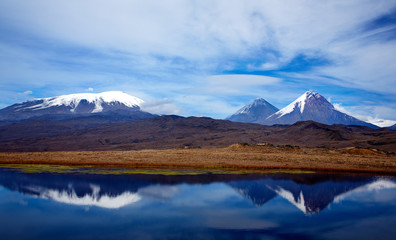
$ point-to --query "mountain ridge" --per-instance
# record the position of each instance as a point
(255, 111)
(166, 132)
(105, 107)
(309, 106)
(72, 105)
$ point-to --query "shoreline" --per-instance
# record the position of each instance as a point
(236, 158)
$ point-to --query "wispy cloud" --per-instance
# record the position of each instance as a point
(237, 83)
(161, 106)
(369, 114)
(214, 52)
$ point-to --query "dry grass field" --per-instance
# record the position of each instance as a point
(234, 157)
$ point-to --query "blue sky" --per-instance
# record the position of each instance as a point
(203, 58)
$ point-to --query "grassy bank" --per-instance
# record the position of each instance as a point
(233, 158)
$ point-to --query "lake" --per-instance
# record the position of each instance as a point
(107, 204)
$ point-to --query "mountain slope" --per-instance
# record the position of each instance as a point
(73, 104)
(392, 127)
(172, 132)
(312, 106)
(255, 111)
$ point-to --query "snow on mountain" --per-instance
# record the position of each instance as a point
(82, 103)
(299, 104)
(255, 111)
(312, 106)
(97, 100)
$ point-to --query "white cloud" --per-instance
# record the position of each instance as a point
(367, 113)
(237, 83)
(194, 29)
(224, 90)
(381, 122)
(369, 67)
(161, 106)
(204, 105)
(179, 28)
(264, 66)
(14, 97)
(242, 80)
(339, 107)
(162, 48)
(90, 89)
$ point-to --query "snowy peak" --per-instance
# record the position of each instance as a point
(312, 106)
(74, 100)
(258, 102)
(74, 105)
(308, 99)
(255, 111)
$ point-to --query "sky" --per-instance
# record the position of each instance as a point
(203, 58)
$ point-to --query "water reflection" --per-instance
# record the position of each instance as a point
(309, 193)
(308, 196)
(210, 206)
(93, 198)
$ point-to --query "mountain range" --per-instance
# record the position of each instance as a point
(309, 106)
(115, 121)
(166, 132)
(116, 106)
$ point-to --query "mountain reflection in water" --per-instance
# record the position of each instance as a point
(205, 206)
(310, 193)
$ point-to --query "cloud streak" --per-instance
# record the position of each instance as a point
(218, 52)
(237, 84)
(366, 114)
(161, 107)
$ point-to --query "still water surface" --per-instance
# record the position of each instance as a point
(205, 206)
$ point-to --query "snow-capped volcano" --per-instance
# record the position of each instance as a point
(82, 103)
(255, 111)
(97, 101)
(312, 106)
